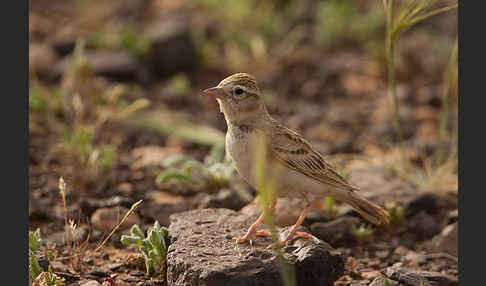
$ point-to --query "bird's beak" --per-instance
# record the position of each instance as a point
(214, 91)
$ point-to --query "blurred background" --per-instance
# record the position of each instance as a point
(116, 105)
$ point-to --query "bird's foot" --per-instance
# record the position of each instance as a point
(250, 233)
(287, 240)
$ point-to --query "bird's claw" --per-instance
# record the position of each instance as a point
(249, 235)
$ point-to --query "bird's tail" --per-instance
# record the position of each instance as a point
(370, 211)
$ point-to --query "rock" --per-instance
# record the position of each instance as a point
(203, 253)
(105, 219)
(162, 211)
(447, 240)
(424, 202)
(224, 198)
(90, 283)
(423, 226)
(411, 277)
(42, 59)
(336, 232)
(119, 65)
(452, 216)
(172, 49)
(381, 186)
(379, 281)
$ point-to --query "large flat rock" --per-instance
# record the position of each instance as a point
(203, 253)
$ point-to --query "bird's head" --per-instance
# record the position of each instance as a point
(239, 98)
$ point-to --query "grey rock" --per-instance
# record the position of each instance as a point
(411, 277)
(171, 47)
(203, 253)
(336, 232)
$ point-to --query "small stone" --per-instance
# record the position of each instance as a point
(411, 277)
(423, 225)
(41, 60)
(90, 283)
(380, 281)
(105, 219)
(371, 274)
(172, 48)
(336, 232)
(447, 240)
(224, 198)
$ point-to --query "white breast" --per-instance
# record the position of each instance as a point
(239, 148)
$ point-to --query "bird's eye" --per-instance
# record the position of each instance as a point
(238, 91)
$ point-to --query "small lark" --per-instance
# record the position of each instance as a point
(302, 171)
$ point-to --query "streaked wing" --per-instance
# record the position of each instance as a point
(297, 154)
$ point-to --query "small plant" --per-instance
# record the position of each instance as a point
(34, 245)
(153, 247)
(48, 278)
(179, 85)
(37, 275)
(34, 240)
(194, 174)
(396, 212)
(362, 233)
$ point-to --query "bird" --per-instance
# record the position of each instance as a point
(298, 169)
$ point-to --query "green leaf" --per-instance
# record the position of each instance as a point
(34, 240)
(34, 267)
(173, 174)
(135, 230)
(125, 239)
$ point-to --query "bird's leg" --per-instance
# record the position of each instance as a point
(252, 230)
(299, 221)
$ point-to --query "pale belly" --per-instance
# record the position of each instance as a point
(288, 182)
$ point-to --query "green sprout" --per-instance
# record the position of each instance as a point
(153, 246)
(362, 233)
(197, 175)
(179, 84)
(34, 268)
(34, 245)
(34, 240)
(396, 212)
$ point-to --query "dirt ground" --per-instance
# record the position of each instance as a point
(107, 117)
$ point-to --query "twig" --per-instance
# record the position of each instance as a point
(130, 211)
